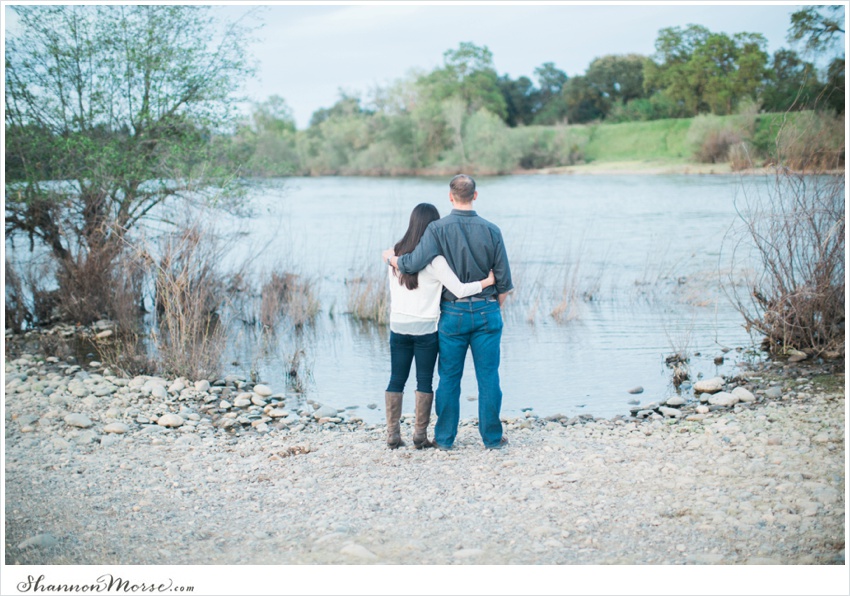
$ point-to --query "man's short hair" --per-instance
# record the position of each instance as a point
(462, 188)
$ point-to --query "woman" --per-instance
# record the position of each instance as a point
(414, 314)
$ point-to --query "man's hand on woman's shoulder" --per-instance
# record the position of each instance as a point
(389, 257)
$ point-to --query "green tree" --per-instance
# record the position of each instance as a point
(119, 104)
(265, 144)
(619, 78)
(820, 28)
(468, 74)
(549, 106)
(705, 71)
(520, 99)
(583, 101)
(791, 83)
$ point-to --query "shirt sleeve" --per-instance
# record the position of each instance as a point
(501, 268)
(422, 255)
(440, 269)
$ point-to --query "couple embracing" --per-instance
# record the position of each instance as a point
(448, 280)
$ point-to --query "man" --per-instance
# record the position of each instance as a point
(472, 246)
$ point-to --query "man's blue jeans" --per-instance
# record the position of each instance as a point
(476, 325)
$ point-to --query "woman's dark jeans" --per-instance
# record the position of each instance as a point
(403, 349)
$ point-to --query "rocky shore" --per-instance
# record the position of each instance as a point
(102, 469)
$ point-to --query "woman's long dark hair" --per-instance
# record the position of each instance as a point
(423, 214)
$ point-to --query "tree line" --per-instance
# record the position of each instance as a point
(441, 119)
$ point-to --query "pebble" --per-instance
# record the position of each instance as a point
(324, 412)
(670, 412)
(202, 385)
(263, 390)
(773, 393)
(712, 385)
(117, 428)
(636, 390)
(467, 553)
(170, 420)
(722, 399)
(358, 550)
(39, 541)
(676, 400)
(78, 420)
(743, 395)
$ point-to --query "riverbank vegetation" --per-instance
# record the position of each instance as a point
(120, 121)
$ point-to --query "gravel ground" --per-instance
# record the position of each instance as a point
(275, 482)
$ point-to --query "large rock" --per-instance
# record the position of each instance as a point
(202, 385)
(773, 393)
(670, 412)
(709, 385)
(78, 420)
(262, 390)
(170, 420)
(324, 412)
(158, 391)
(723, 399)
(743, 395)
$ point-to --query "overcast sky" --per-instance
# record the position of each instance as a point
(307, 54)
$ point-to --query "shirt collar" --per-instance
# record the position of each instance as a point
(463, 212)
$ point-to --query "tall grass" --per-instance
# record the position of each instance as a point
(189, 336)
(287, 296)
(369, 297)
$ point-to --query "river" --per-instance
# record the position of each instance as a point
(644, 258)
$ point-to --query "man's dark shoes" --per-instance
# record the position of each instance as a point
(502, 443)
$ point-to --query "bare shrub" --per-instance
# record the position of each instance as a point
(715, 147)
(740, 156)
(812, 142)
(795, 235)
(287, 295)
(712, 137)
(189, 337)
(85, 279)
(17, 314)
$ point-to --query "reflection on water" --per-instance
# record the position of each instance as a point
(633, 262)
